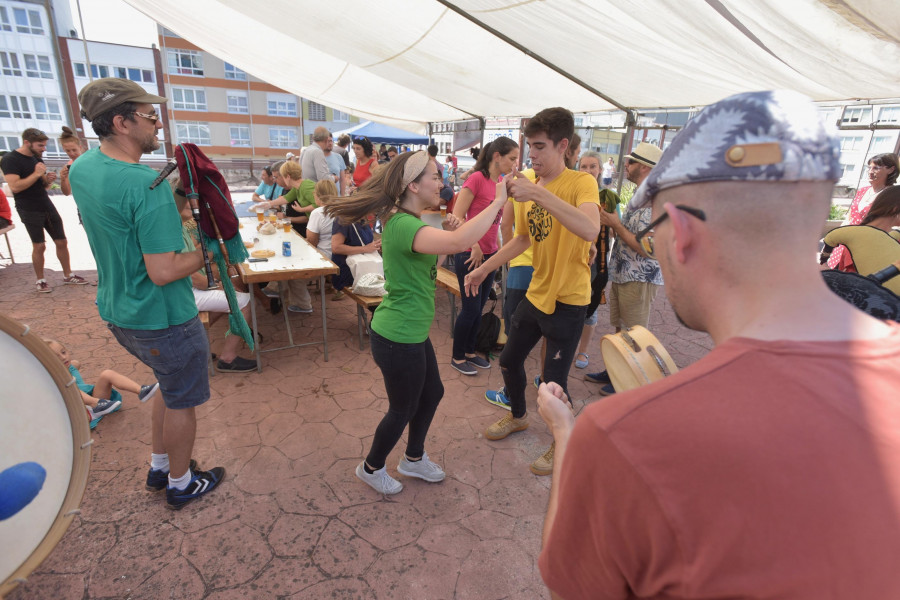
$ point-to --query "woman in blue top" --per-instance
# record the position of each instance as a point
(397, 194)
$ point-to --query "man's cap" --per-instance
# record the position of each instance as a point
(646, 154)
(101, 95)
(754, 136)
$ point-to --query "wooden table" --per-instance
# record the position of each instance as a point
(305, 262)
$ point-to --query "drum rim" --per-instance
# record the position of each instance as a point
(81, 449)
(625, 353)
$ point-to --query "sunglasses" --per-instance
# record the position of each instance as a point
(645, 236)
(153, 118)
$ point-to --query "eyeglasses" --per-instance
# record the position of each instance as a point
(645, 236)
(153, 118)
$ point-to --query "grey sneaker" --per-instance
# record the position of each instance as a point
(423, 469)
(379, 481)
(147, 391)
(104, 407)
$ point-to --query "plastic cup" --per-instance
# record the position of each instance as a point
(287, 225)
(443, 211)
(273, 218)
(260, 216)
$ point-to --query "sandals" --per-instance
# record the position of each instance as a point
(579, 363)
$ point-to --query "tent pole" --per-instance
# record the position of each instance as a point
(630, 120)
(528, 52)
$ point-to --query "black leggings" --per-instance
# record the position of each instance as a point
(562, 329)
(414, 391)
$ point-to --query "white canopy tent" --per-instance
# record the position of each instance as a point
(410, 62)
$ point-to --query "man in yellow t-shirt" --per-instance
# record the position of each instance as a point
(560, 222)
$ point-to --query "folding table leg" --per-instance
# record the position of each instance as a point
(255, 329)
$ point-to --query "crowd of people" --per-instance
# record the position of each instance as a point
(766, 470)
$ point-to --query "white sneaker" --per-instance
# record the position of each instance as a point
(423, 469)
(379, 481)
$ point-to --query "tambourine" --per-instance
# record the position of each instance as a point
(43, 422)
(634, 357)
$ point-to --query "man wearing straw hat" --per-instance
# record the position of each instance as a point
(769, 468)
(144, 291)
(636, 278)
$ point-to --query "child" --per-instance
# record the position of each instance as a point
(101, 399)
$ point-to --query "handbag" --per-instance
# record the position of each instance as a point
(370, 284)
(369, 262)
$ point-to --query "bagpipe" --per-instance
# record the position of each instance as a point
(217, 223)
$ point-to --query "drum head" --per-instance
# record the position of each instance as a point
(864, 294)
(43, 422)
(635, 357)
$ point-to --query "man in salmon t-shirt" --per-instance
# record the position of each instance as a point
(771, 467)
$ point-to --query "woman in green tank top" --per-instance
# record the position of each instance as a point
(397, 194)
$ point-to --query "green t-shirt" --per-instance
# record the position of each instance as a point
(407, 311)
(124, 220)
(304, 196)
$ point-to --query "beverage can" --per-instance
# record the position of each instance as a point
(285, 248)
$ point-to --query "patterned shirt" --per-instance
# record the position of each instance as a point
(625, 264)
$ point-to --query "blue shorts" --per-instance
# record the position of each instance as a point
(607, 180)
(178, 356)
(592, 318)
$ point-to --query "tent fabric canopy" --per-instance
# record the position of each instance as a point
(410, 62)
(383, 134)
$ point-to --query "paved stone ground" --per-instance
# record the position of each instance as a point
(291, 519)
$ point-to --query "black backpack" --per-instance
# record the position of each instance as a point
(488, 331)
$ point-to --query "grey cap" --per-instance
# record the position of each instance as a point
(101, 95)
(755, 136)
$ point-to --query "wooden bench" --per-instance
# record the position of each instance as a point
(447, 279)
(5, 232)
(363, 304)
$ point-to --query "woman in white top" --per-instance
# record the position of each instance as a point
(318, 230)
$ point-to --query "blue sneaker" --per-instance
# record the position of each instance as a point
(157, 479)
(202, 482)
(477, 361)
(602, 377)
(498, 398)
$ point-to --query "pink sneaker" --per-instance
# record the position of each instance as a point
(74, 279)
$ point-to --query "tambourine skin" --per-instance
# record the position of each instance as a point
(634, 357)
(43, 422)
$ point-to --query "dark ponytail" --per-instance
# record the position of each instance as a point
(502, 144)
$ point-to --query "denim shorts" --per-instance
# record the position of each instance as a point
(178, 356)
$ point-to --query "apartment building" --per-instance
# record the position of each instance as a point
(231, 114)
(83, 61)
(30, 71)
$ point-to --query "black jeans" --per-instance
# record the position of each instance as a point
(562, 329)
(465, 332)
(414, 391)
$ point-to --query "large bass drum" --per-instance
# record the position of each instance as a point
(635, 357)
(43, 421)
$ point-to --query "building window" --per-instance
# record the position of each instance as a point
(237, 102)
(53, 148)
(99, 71)
(232, 72)
(28, 21)
(282, 105)
(14, 107)
(857, 115)
(5, 25)
(37, 65)
(191, 131)
(240, 136)
(189, 99)
(10, 63)
(847, 169)
(341, 117)
(148, 76)
(280, 137)
(46, 109)
(80, 69)
(882, 143)
(185, 62)
(120, 72)
(851, 143)
(889, 114)
(8, 143)
(316, 111)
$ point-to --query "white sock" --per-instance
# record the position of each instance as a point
(159, 462)
(180, 483)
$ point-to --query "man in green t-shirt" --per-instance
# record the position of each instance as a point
(144, 291)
